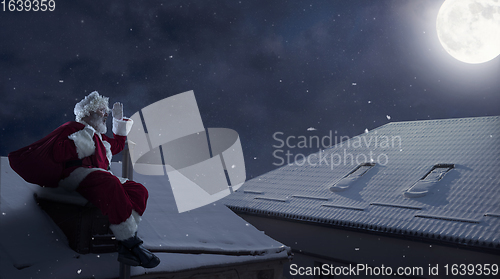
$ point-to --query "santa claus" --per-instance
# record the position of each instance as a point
(85, 151)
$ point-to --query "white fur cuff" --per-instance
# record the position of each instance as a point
(122, 127)
(125, 229)
(84, 142)
(74, 179)
(136, 216)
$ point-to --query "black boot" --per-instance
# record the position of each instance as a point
(126, 256)
(131, 252)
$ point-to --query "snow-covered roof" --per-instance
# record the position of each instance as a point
(436, 179)
(32, 246)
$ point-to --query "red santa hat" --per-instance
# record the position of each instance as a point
(92, 102)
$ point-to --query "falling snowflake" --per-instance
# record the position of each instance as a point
(366, 131)
(79, 271)
(388, 117)
(311, 129)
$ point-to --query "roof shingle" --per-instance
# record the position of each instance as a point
(462, 206)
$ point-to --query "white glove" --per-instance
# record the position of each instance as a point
(117, 111)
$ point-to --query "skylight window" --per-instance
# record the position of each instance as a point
(348, 180)
(437, 172)
(361, 169)
(422, 186)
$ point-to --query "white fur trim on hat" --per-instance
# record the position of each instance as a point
(122, 127)
(74, 179)
(125, 229)
(84, 142)
(92, 102)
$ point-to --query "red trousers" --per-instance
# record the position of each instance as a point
(114, 199)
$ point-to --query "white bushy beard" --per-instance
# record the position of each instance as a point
(98, 123)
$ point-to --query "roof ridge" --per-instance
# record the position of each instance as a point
(440, 120)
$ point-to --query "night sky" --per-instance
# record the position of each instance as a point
(258, 67)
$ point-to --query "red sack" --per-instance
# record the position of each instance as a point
(35, 162)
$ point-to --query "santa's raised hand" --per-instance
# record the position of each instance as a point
(117, 111)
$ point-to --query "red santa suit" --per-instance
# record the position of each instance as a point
(87, 155)
(76, 157)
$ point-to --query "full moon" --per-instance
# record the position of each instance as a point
(469, 30)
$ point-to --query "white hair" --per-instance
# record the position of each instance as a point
(92, 102)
